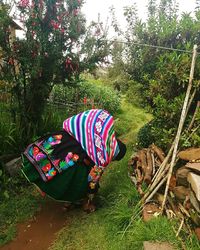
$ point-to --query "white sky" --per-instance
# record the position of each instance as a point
(91, 8)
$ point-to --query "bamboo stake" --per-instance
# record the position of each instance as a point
(156, 189)
(191, 99)
(182, 119)
(194, 116)
(163, 165)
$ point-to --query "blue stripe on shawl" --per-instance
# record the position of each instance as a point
(94, 122)
(78, 126)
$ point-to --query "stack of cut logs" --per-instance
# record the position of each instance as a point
(144, 164)
(184, 188)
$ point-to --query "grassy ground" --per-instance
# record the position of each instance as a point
(109, 227)
(15, 209)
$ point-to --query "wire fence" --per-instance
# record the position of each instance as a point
(9, 111)
(153, 46)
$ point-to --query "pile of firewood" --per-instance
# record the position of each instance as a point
(183, 197)
(145, 164)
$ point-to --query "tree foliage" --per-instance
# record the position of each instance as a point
(56, 48)
(160, 74)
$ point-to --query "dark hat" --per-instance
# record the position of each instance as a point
(122, 150)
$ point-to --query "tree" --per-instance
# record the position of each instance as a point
(57, 47)
(162, 74)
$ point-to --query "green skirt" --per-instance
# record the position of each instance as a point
(70, 185)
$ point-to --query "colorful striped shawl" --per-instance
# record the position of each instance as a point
(93, 129)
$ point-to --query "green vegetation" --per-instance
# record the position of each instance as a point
(16, 208)
(157, 78)
(53, 64)
(109, 227)
(97, 94)
(56, 48)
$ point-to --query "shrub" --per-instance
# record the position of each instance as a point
(133, 93)
(104, 97)
(145, 136)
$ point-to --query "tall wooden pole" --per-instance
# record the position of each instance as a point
(181, 122)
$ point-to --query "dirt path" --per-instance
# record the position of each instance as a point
(39, 233)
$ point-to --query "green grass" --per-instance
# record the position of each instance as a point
(129, 121)
(109, 227)
(14, 209)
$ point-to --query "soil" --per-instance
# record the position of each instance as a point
(157, 246)
(40, 232)
(149, 211)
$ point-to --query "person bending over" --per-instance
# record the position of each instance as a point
(68, 164)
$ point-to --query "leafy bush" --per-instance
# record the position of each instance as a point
(104, 97)
(133, 93)
(166, 93)
(162, 74)
(158, 132)
(145, 136)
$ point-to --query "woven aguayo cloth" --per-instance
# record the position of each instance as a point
(94, 130)
(56, 164)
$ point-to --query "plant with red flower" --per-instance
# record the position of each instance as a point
(56, 48)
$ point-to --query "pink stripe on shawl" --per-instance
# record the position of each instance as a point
(97, 149)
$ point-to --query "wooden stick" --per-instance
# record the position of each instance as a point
(191, 99)
(183, 210)
(139, 176)
(182, 119)
(156, 189)
(159, 174)
(143, 159)
(164, 163)
(180, 240)
(180, 227)
(194, 116)
(158, 151)
(153, 164)
(149, 169)
(158, 162)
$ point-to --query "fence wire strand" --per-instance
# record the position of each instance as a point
(152, 46)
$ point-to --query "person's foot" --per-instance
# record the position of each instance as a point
(67, 206)
(89, 207)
